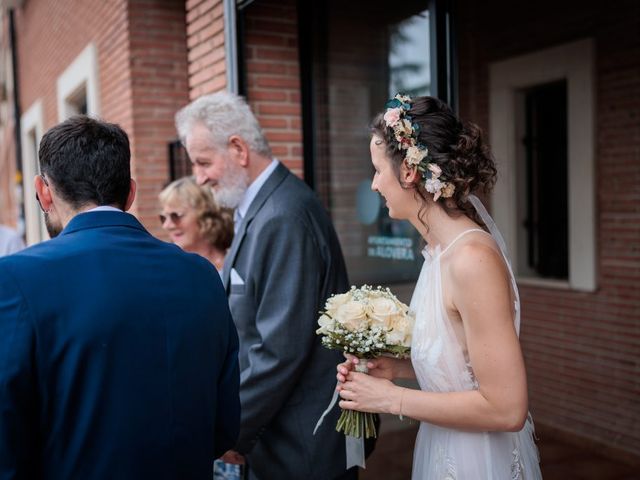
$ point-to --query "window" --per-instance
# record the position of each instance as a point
(544, 198)
(78, 86)
(76, 102)
(362, 54)
(179, 163)
(542, 133)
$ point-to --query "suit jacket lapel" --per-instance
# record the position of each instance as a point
(275, 179)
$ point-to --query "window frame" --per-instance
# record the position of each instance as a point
(32, 123)
(573, 62)
(81, 73)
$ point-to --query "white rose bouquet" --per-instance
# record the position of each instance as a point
(366, 322)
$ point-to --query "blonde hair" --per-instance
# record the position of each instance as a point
(216, 223)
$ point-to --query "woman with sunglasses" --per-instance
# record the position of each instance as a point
(194, 221)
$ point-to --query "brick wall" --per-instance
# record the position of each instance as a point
(158, 59)
(205, 41)
(142, 65)
(273, 78)
(582, 349)
(271, 49)
(52, 34)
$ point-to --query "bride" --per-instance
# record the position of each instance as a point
(465, 355)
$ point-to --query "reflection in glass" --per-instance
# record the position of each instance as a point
(408, 72)
(364, 53)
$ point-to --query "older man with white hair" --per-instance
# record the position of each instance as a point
(285, 261)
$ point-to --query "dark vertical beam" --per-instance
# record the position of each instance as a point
(305, 59)
(452, 57)
(241, 29)
(241, 50)
(443, 52)
(172, 160)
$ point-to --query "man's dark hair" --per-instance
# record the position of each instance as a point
(88, 161)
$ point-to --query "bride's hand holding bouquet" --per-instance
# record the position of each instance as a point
(373, 392)
(389, 368)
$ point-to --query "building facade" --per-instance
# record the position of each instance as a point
(556, 86)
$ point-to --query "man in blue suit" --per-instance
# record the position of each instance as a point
(118, 355)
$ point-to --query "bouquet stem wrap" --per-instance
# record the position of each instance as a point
(354, 444)
(354, 423)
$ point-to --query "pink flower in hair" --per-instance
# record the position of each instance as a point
(392, 116)
(435, 169)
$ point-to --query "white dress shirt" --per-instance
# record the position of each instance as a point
(103, 208)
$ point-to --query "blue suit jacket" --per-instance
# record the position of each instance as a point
(118, 357)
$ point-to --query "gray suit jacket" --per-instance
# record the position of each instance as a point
(287, 261)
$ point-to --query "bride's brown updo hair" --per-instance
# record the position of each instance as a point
(457, 147)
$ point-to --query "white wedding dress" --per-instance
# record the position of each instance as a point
(441, 364)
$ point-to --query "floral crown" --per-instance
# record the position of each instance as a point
(416, 154)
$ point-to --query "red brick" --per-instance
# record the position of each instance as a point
(271, 122)
(257, 66)
(206, 60)
(202, 21)
(278, 109)
(279, 150)
(207, 32)
(255, 95)
(285, 137)
(277, 82)
(192, 4)
(280, 54)
(210, 86)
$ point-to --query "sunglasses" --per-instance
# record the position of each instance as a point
(174, 216)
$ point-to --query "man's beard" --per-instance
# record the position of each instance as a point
(53, 229)
(232, 186)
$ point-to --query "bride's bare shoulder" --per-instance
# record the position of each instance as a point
(477, 259)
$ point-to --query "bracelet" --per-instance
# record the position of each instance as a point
(400, 409)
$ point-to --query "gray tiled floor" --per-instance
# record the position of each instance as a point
(559, 461)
